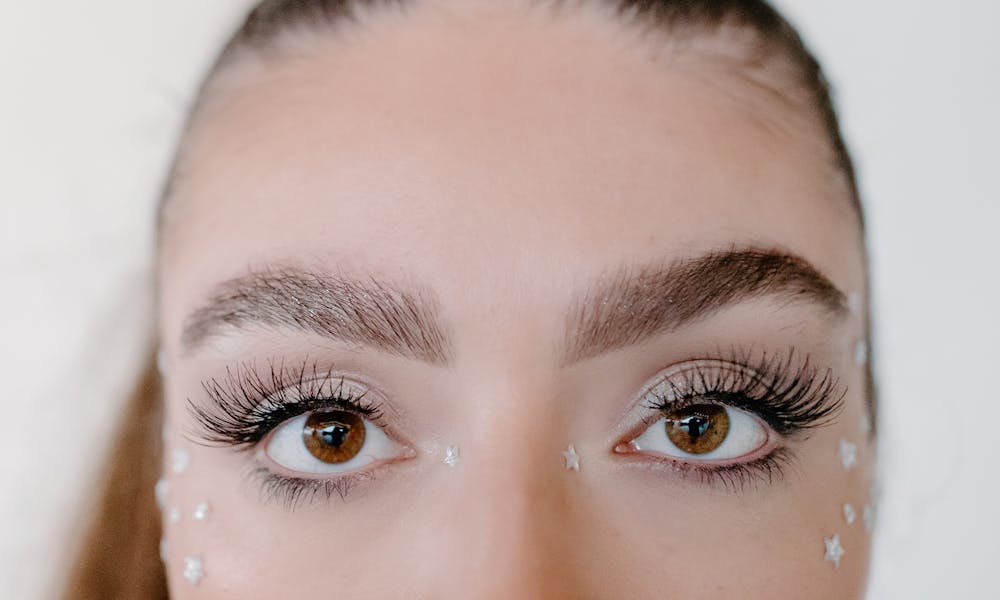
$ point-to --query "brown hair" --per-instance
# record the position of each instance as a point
(125, 529)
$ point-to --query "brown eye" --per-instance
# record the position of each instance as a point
(334, 436)
(699, 428)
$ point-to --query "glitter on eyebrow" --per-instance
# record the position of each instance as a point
(572, 458)
(849, 513)
(834, 551)
(194, 569)
(201, 511)
(848, 454)
(451, 456)
(161, 491)
(181, 460)
(175, 515)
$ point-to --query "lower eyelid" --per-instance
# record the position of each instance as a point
(765, 470)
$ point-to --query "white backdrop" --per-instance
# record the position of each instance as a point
(91, 96)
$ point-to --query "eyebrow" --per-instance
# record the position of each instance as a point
(631, 304)
(622, 308)
(368, 312)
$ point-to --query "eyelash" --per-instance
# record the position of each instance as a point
(788, 392)
(244, 407)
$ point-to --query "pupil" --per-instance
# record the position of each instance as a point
(696, 425)
(335, 434)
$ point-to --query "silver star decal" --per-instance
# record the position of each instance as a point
(201, 511)
(572, 458)
(194, 570)
(451, 456)
(834, 551)
(849, 513)
(848, 454)
(868, 516)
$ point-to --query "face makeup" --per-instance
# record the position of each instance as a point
(194, 569)
(202, 511)
(161, 491)
(181, 460)
(849, 513)
(868, 516)
(174, 516)
(848, 454)
(834, 551)
(451, 456)
(572, 458)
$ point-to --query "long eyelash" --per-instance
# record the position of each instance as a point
(788, 392)
(245, 405)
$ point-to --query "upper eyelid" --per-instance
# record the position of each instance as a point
(809, 396)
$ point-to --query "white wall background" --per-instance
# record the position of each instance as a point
(91, 96)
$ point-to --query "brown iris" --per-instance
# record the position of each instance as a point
(334, 436)
(699, 428)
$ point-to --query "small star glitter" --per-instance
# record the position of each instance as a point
(451, 456)
(161, 491)
(174, 515)
(572, 458)
(201, 511)
(182, 458)
(194, 569)
(834, 551)
(848, 454)
(849, 513)
(868, 516)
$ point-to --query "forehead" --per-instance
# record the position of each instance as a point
(437, 146)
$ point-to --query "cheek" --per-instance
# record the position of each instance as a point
(745, 544)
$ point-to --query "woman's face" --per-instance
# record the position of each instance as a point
(511, 236)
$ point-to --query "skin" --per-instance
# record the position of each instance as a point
(503, 178)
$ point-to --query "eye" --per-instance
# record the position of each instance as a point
(329, 442)
(705, 432)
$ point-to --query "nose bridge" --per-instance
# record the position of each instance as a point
(507, 507)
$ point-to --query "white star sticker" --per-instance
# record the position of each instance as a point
(848, 454)
(201, 511)
(572, 458)
(451, 456)
(868, 516)
(834, 551)
(849, 513)
(194, 569)
(181, 460)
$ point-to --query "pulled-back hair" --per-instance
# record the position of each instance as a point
(119, 556)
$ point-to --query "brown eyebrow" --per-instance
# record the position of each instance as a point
(368, 312)
(632, 304)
